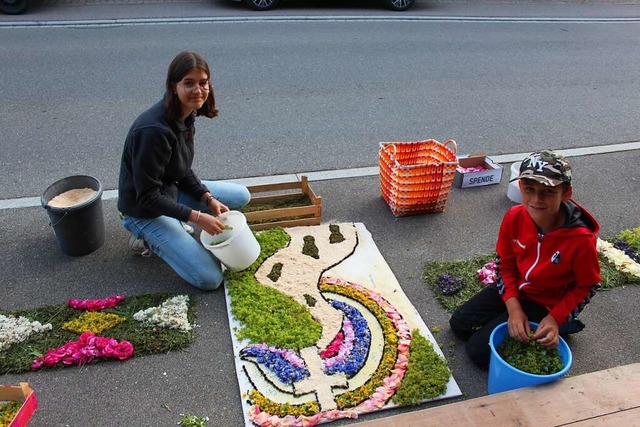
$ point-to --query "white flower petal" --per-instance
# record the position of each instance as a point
(171, 314)
(14, 330)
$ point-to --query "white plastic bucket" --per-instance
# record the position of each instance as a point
(513, 192)
(237, 247)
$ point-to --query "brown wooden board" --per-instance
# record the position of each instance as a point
(609, 397)
(290, 216)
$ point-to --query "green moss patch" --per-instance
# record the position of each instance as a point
(285, 202)
(309, 247)
(631, 236)
(267, 315)
(275, 272)
(427, 373)
(336, 236)
(466, 269)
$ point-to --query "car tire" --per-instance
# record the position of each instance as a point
(258, 4)
(14, 7)
(398, 5)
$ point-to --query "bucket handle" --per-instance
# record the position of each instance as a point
(393, 146)
(455, 146)
(60, 220)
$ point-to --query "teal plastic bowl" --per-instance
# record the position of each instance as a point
(504, 377)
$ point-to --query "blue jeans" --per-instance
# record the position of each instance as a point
(167, 239)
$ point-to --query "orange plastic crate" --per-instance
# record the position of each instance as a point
(415, 177)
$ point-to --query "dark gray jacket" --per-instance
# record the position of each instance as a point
(156, 163)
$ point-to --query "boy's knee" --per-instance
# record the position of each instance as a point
(479, 353)
(459, 327)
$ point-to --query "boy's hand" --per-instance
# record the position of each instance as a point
(548, 332)
(519, 327)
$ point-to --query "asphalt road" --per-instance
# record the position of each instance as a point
(300, 97)
(309, 96)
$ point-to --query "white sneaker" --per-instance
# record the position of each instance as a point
(139, 247)
(189, 229)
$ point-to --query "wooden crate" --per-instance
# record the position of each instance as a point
(23, 394)
(283, 217)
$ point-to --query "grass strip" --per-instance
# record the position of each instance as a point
(464, 268)
(468, 269)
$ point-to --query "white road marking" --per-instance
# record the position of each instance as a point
(119, 22)
(28, 202)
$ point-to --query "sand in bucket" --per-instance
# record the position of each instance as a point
(73, 197)
(236, 247)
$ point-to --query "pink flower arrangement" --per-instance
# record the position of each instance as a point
(471, 169)
(264, 419)
(333, 348)
(95, 304)
(487, 274)
(342, 344)
(85, 350)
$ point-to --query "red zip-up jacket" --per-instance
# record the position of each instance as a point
(558, 269)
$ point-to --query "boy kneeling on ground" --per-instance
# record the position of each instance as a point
(547, 263)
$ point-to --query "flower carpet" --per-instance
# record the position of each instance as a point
(86, 331)
(322, 330)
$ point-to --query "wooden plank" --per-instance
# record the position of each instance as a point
(315, 199)
(569, 400)
(627, 418)
(10, 392)
(274, 187)
(286, 223)
(281, 213)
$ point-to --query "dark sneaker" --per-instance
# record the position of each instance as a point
(139, 247)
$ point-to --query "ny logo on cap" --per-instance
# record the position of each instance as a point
(537, 163)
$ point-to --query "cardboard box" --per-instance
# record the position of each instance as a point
(291, 216)
(491, 175)
(22, 393)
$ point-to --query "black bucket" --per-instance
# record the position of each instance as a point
(79, 229)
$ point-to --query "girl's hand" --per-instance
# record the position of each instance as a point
(217, 208)
(548, 332)
(210, 223)
(213, 204)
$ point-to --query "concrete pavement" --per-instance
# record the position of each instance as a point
(154, 390)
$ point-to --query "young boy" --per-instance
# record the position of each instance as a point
(547, 265)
